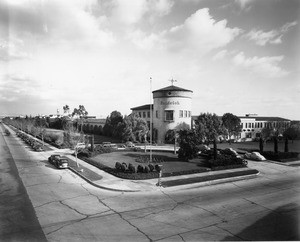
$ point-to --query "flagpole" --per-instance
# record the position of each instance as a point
(151, 115)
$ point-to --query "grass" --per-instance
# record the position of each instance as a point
(171, 165)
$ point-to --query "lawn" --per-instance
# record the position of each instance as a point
(170, 163)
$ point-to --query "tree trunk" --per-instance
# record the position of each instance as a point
(215, 149)
(275, 145)
(286, 145)
(261, 145)
(92, 142)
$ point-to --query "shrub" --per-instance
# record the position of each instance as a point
(124, 164)
(52, 137)
(270, 155)
(146, 169)
(118, 166)
(140, 169)
(151, 167)
(123, 167)
(157, 168)
(226, 160)
(131, 168)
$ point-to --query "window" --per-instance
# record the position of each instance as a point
(180, 113)
(246, 126)
(185, 113)
(242, 125)
(140, 114)
(169, 115)
(156, 113)
(148, 114)
(189, 113)
(144, 114)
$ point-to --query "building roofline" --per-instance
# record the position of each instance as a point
(172, 88)
(143, 107)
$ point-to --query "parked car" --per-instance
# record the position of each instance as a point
(106, 144)
(230, 151)
(121, 147)
(52, 159)
(255, 156)
(203, 148)
(129, 144)
(62, 163)
(38, 147)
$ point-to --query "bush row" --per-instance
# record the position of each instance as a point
(271, 155)
(224, 160)
(123, 167)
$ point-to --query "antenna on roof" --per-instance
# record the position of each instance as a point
(172, 81)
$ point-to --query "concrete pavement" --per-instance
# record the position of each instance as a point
(69, 209)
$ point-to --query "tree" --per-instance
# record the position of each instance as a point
(171, 133)
(232, 124)
(266, 133)
(72, 138)
(208, 127)
(134, 128)
(111, 124)
(292, 132)
(188, 143)
(81, 113)
(66, 109)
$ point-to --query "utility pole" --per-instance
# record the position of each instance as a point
(151, 121)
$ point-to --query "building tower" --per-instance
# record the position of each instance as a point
(172, 106)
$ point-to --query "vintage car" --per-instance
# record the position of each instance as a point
(54, 157)
(62, 163)
(58, 161)
(254, 156)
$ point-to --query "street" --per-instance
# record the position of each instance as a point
(70, 209)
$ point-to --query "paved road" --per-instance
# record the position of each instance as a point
(18, 221)
(69, 209)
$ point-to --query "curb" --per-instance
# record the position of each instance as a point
(96, 185)
(212, 182)
(217, 181)
(285, 163)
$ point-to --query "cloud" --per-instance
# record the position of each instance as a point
(53, 23)
(220, 55)
(271, 37)
(131, 12)
(264, 66)
(200, 33)
(244, 4)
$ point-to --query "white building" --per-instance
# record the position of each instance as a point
(252, 124)
(171, 106)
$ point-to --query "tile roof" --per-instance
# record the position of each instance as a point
(172, 88)
(143, 107)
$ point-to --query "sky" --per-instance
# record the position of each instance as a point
(237, 56)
